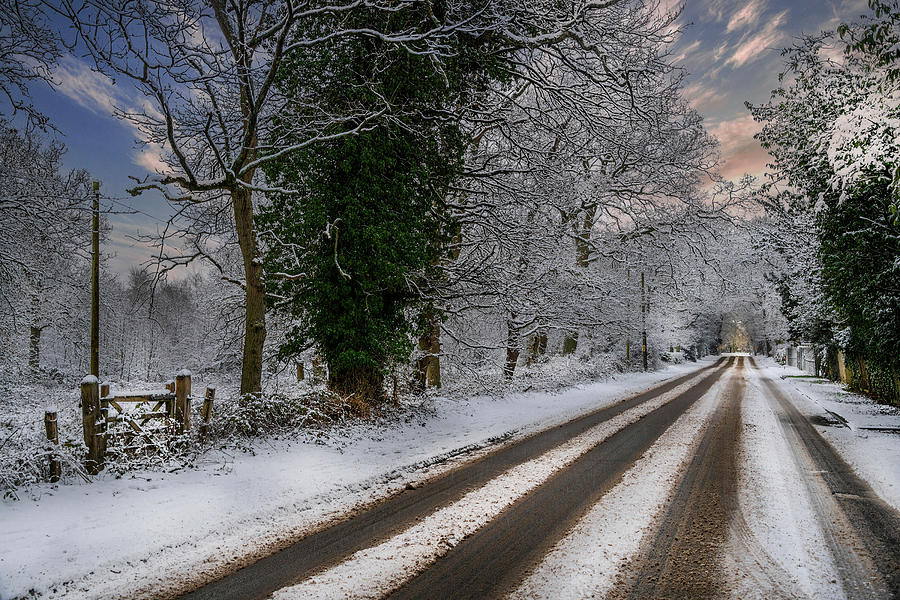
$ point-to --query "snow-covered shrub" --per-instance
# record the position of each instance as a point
(676, 358)
(257, 414)
(25, 452)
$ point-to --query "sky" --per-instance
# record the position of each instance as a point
(730, 50)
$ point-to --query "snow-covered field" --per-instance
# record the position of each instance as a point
(138, 532)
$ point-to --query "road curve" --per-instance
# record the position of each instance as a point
(368, 527)
(492, 561)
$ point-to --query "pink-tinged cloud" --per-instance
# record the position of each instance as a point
(753, 46)
(746, 17)
(741, 153)
(687, 51)
(150, 158)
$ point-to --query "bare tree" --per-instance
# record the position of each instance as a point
(44, 228)
(28, 50)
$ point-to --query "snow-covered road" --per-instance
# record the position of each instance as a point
(138, 533)
(713, 485)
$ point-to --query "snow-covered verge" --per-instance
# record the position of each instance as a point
(864, 432)
(137, 532)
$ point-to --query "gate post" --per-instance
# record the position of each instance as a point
(206, 412)
(53, 438)
(91, 423)
(183, 400)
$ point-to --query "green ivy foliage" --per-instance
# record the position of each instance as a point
(856, 269)
(860, 257)
(348, 251)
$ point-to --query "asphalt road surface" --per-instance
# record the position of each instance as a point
(680, 552)
(324, 548)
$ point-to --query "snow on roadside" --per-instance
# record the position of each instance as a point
(865, 449)
(373, 572)
(780, 541)
(585, 563)
(138, 532)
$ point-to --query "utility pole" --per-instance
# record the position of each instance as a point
(628, 327)
(644, 309)
(95, 284)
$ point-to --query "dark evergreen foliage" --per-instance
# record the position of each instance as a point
(346, 253)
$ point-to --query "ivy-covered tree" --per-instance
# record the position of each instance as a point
(832, 131)
(349, 246)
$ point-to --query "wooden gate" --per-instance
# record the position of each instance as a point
(171, 404)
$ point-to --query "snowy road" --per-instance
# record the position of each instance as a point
(719, 482)
(713, 485)
(401, 511)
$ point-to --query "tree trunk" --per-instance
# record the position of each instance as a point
(512, 349)
(34, 350)
(428, 368)
(583, 241)
(570, 344)
(582, 259)
(255, 292)
(538, 346)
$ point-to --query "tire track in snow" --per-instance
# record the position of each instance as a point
(588, 562)
(494, 559)
(375, 571)
(775, 550)
(862, 531)
(379, 522)
(682, 558)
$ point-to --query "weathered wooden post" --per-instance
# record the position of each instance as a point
(300, 374)
(53, 438)
(183, 400)
(206, 411)
(90, 420)
(170, 406)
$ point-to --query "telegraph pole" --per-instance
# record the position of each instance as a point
(644, 309)
(628, 329)
(95, 284)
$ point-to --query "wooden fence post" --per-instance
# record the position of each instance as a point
(206, 411)
(183, 400)
(170, 405)
(90, 421)
(53, 438)
(300, 374)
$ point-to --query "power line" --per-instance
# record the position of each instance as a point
(131, 208)
(111, 199)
